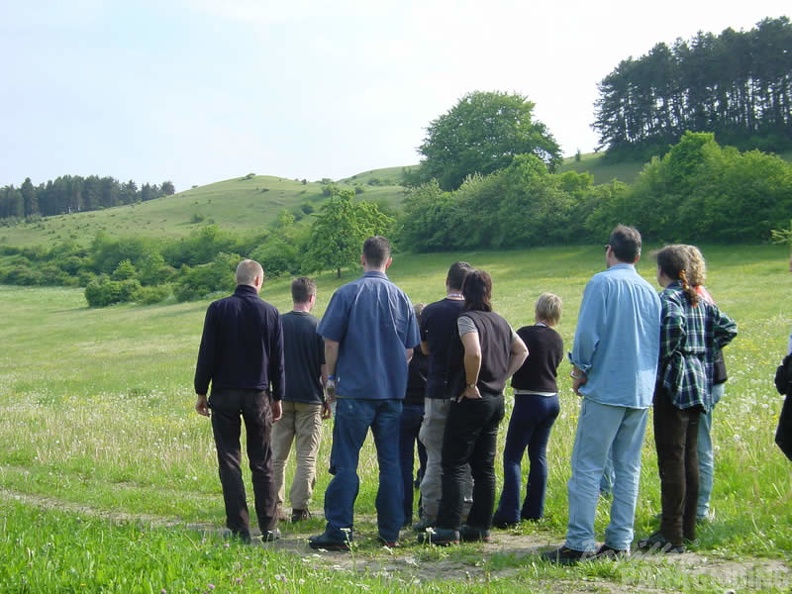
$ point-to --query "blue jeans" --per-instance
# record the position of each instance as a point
(353, 418)
(706, 457)
(602, 428)
(529, 427)
(411, 418)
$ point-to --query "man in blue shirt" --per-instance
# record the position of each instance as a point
(241, 355)
(370, 332)
(615, 357)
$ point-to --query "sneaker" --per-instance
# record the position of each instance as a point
(422, 524)
(606, 552)
(473, 534)
(564, 556)
(322, 542)
(298, 515)
(441, 537)
(271, 535)
(657, 543)
(706, 518)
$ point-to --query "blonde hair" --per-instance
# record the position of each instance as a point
(697, 266)
(548, 308)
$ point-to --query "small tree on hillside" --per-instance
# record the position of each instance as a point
(339, 230)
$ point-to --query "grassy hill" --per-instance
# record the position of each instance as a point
(248, 204)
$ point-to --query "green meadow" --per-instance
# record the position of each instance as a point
(109, 478)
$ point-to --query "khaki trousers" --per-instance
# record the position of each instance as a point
(300, 423)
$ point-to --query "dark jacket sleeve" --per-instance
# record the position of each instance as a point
(206, 355)
(276, 372)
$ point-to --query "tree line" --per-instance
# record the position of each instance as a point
(72, 193)
(698, 191)
(737, 85)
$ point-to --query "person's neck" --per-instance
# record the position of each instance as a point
(454, 294)
(302, 307)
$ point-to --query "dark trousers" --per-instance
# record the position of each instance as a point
(676, 439)
(409, 426)
(470, 438)
(229, 408)
(529, 427)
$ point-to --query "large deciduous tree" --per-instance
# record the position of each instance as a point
(339, 230)
(482, 134)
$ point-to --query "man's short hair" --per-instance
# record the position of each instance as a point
(247, 271)
(302, 288)
(376, 250)
(456, 275)
(626, 243)
(548, 308)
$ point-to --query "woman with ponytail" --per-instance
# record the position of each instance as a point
(692, 331)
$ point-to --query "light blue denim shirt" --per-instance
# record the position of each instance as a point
(617, 339)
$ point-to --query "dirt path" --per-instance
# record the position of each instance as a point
(413, 565)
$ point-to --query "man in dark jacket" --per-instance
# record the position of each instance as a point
(241, 355)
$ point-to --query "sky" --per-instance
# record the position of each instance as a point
(199, 91)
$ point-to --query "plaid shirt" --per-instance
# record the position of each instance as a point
(689, 338)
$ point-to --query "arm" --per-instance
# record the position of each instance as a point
(425, 347)
(326, 410)
(519, 352)
(472, 364)
(331, 360)
(409, 354)
(587, 334)
(203, 369)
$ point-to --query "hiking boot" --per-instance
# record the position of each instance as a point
(473, 534)
(606, 552)
(442, 537)
(657, 543)
(299, 515)
(564, 556)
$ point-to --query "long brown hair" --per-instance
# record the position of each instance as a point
(674, 262)
(477, 291)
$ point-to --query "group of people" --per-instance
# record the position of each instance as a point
(438, 373)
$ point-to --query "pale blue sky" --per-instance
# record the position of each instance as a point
(197, 91)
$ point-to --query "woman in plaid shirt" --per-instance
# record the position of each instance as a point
(692, 331)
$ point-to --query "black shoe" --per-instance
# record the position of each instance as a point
(657, 543)
(243, 536)
(441, 537)
(606, 552)
(391, 544)
(271, 535)
(565, 556)
(298, 515)
(422, 524)
(503, 523)
(325, 543)
(473, 534)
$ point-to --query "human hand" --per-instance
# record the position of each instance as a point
(277, 410)
(202, 405)
(471, 393)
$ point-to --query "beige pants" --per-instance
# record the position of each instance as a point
(301, 423)
(431, 435)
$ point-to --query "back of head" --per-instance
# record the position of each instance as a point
(697, 270)
(247, 271)
(456, 275)
(477, 291)
(302, 288)
(376, 251)
(548, 308)
(626, 244)
(673, 262)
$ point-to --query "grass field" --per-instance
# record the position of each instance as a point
(110, 484)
